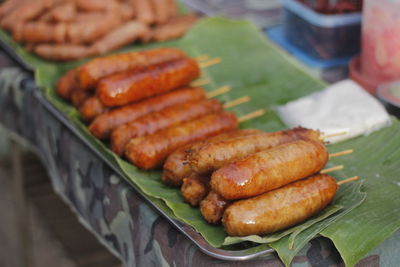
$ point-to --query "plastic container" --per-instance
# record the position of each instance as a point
(321, 36)
(380, 56)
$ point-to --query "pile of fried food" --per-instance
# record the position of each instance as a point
(73, 29)
(254, 182)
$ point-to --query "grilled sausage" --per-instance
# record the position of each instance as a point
(280, 208)
(144, 11)
(269, 169)
(93, 71)
(91, 108)
(211, 156)
(195, 188)
(212, 207)
(150, 152)
(63, 52)
(123, 88)
(176, 166)
(102, 126)
(174, 28)
(67, 83)
(162, 119)
(78, 97)
(123, 35)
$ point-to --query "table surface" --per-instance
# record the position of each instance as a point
(112, 210)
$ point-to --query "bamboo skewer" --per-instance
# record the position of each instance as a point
(219, 91)
(236, 102)
(341, 153)
(336, 168)
(354, 178)
(202, 57)
(199, 82)
(210, 62)
(333, 135)
(252, 115)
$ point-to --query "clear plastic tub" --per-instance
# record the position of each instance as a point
(321, 36)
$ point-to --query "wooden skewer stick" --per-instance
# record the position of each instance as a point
(199, 82)
(219, 91)
(252, 115)
(341, 153)
(336, 168)
(236, 102)
(333, 135)
(354, 178)
(210, 62)
(202, 57)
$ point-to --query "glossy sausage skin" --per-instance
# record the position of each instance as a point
(67, 83)
(280, 208)
(212, 207)
(93, 71)
(103, 125)
(176, 166)
(91, 108)
(162, 119)
(123, 88)
(212, 156)
(269, 169)
(195, 188)
(150, 152)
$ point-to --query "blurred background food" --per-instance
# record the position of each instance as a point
(74, 29)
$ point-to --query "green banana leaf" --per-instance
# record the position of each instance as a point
(253, 66)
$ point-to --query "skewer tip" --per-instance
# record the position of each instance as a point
(354, 178)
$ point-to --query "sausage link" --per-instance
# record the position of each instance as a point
(269, 169)
(91, 108)
(213, 156)
(176, 166)
(123, 88)
(195, 188)
(212, 207)
(103, 125)
(67, 83)
(150, 152)
(78, 97)
(280, 208)
(162, 119)
(92, 72)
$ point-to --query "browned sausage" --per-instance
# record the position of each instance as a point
(123, 88)
(93, 71)
(67, 83)
(150, 152)
(212, 156)
(91, 108)
(174, 28)
(212, 207)
(25, 11)
(78, 97)
(123, 35)
(162, 119)
(176, 166)
(102, 126)
(269, 169)
(144, 11)
(195, 188)
(62, 52)
(280, 208)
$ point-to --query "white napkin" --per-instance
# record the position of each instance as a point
(342, 107)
